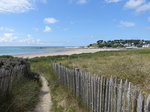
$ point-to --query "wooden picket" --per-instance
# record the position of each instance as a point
(148, 104)
(8, 76)
(101, 94)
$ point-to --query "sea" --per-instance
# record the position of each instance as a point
(13, 50)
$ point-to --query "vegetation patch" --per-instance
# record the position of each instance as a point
(62, 99)
(23, 97)
(19, 87)
(130, 64)
(120, 43)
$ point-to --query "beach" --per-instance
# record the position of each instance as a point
(67, 51)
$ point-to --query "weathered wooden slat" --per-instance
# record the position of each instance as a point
(124, 98)
(119, 101)
(101, 94)
(89, 92)
(148, 104)
(92, 95)
(140, 106)
(106, 95)
(110, 92)
(112, 96)
(7, 77)
(101, 91)
(98, 95)
(115, 96)
(95, 93)
(129, 98)
(134, 101)
(109, 95)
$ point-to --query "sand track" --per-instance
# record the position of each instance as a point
(45, 102)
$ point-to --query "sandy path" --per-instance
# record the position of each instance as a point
(45, 102)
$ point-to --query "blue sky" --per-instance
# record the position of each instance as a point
(72, 22)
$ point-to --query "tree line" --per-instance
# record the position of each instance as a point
(119, 43)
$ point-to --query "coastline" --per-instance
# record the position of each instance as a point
(67, 51)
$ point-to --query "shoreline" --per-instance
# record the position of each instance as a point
(67, 51)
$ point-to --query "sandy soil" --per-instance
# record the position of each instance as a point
(45, 102)
(66, 52)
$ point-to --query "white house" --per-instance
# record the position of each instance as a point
(146, 46)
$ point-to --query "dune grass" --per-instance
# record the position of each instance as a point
(133, 65)
(62, 99)
(23, 96)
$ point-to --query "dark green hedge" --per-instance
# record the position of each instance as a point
(9, 63)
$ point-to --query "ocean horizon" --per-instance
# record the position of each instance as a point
(13, 50)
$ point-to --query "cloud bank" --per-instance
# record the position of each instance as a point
(17, 6)
(127, 24)
(12, 38)
(50, 20)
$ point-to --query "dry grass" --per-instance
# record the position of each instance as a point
(62, 99)
(23, 97)
(133, 65)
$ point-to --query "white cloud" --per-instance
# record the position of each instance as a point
(78, 1)
(50, 20)
(30, 40)
(6, 29)
(17, 6)
(11, 38)
(8, 37)
(144, 7)
(29, 36)
(138, 5)
(112, 1)
(134, 3)
(47, 29)
(127, 24)
(82, 1)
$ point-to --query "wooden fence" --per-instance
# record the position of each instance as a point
(101, 94)
(7, 77)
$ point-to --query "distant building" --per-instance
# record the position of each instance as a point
(127, 45)
(146, 46)
(132, 47)
(92, 47)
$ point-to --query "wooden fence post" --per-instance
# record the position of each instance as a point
(134, 101)
(129, 97)
(100, 94)
(124, 98)
(110, 93)
(140, 101)
(148, 104)
(103, 95)
(106, 95)
(119, 101)
(115, 96)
